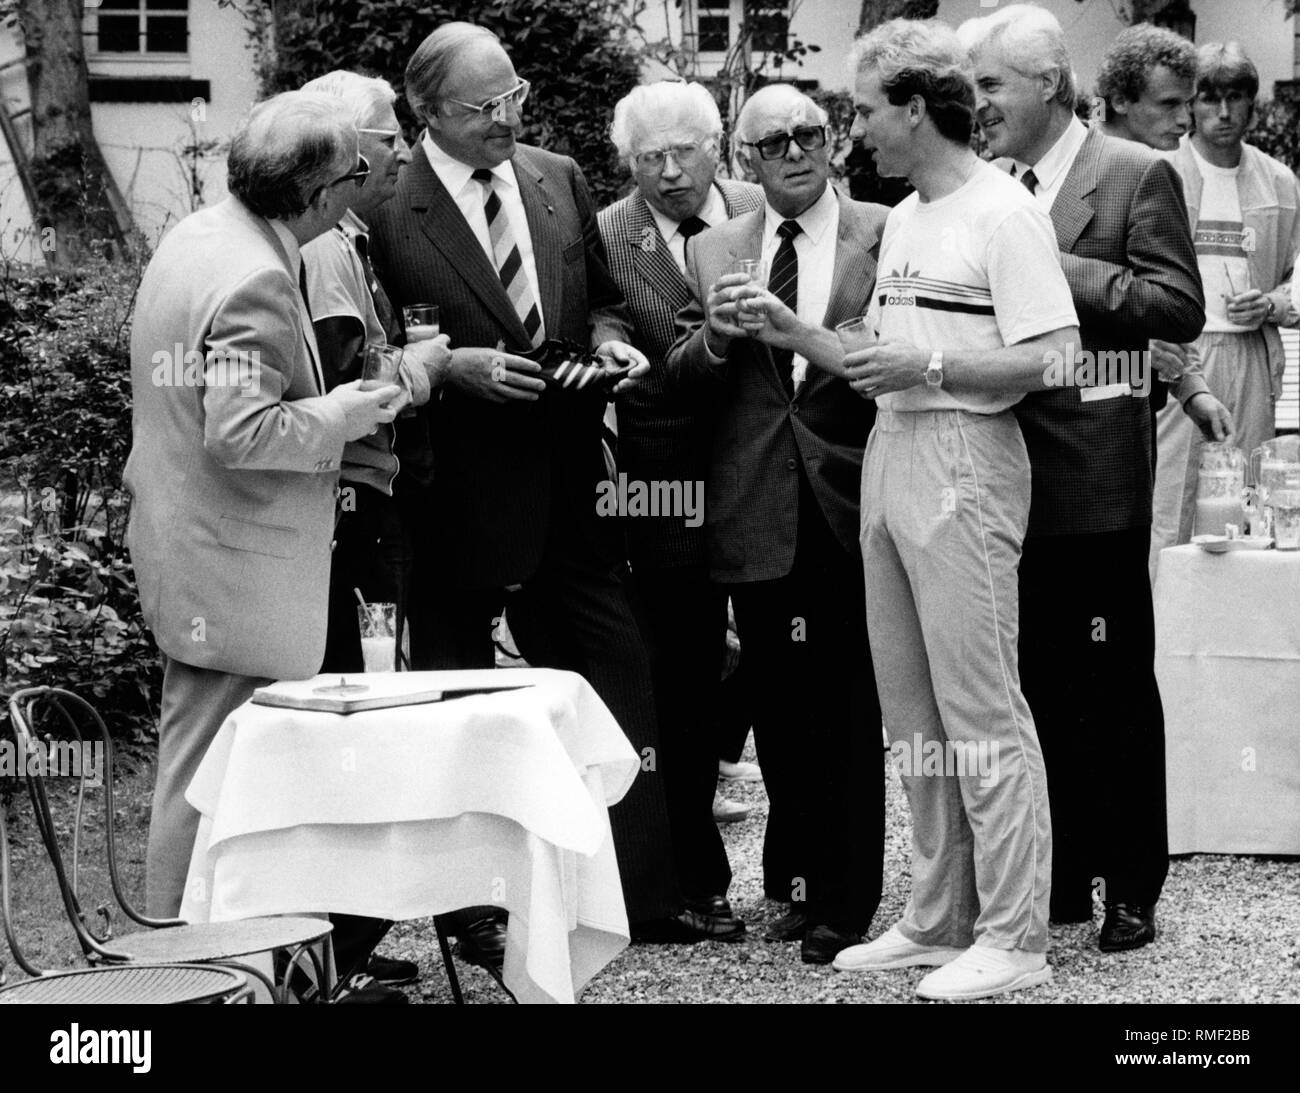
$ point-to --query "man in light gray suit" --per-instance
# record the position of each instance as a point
(237, 447)
(781, 509)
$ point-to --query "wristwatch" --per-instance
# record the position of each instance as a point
(1272, 309)
(934, 371)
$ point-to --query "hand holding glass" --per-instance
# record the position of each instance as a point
(855, 334)
(751, 319)
(380, 367)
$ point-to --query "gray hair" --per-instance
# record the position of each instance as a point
(1032, 42)
(925, 60)
(288, 148)
(362, 94)
(647, 102)
(766, 97)
(431, 63)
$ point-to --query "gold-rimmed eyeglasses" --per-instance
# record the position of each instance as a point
(515, 95)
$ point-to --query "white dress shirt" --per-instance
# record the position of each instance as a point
(1055, 164)
(469, 196)
(815, 249)
(713, 213)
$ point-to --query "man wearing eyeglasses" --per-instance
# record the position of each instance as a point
(502, 237)
(669, 134)
(781, 511)
(236, 447)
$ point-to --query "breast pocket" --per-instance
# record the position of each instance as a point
(273, 540)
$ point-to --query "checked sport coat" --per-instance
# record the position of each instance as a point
(1121, 225)
(761, 436)
(661, 431)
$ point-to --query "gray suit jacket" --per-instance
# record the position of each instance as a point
(232, 485)
(661, 435)
(1121, 224)
(507, 476)
(760, 436)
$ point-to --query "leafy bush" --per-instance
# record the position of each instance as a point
(1276, 130)
(575, 52)
(69, 609)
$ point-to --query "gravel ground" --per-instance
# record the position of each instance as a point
(1228, 933)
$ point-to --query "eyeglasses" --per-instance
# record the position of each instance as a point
(808, 137)
(359, 175)
(490, 108)
(652, 160)
(386, 136)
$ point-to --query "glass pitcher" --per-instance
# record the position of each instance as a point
(1274, 466)
(1218, 488)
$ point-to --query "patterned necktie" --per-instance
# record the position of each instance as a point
(384, 310)
(692, 225)
(510, 266)
(783, 283)
(1030, 180)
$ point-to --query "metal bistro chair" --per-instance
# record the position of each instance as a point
(123, 984)
(167, 940)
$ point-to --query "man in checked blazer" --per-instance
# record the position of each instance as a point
(670, 135)
(511, 513)
(236, 448)
(1087, 631)
(781, 512)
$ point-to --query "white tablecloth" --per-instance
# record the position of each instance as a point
(1228, 663)
(418, 810)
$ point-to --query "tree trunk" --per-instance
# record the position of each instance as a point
(74, 190)
(875, 12)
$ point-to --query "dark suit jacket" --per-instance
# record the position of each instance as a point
(1121, 224)
(661, 435)
(509, 480)
(761, 437)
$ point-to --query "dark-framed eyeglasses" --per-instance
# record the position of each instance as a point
(490, 107)
(808, 137)
(687, 155)
(359, 175)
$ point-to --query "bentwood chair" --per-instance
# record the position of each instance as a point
(165, 940)
(125, 984)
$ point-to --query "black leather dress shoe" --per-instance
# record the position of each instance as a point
(484, 943)
(706, 919)
(789, 927)
(821, 944)
(1127, 926)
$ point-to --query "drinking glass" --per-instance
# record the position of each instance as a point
(381, 366)
(378, 622)
(1286, 519)
(756, 271)
(421, 322)
(855, 334)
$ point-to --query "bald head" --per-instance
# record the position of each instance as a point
(782, 135)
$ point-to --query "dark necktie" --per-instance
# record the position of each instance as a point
(783, 283)
(510, 266)
(692, 225)
(306, 303)
(1030, 180)
(383, 305)
(302, 286)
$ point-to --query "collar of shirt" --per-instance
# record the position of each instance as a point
(1055, 163)
(352, 225)
(454, 174)
(713, 213)
(814, 220)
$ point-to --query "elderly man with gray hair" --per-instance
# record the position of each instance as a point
(781, 509)
(233, 483)
(670, 136)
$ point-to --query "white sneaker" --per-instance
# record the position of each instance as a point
(892, 950)
(981, 972)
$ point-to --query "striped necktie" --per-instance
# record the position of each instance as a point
(783, 283)
(510, 266)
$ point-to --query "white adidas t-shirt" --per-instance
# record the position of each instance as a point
(978, 269)
(1222, 244)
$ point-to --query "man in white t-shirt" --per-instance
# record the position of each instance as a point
(972, 308)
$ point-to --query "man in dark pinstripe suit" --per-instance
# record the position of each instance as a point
(670, 134)
(512, 509)
(781, 511)
(1087, 632)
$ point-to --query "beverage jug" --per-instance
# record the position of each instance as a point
(1218, 488)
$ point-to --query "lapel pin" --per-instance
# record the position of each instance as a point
(550, 209)
(648, 239)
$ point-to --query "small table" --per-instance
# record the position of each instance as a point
(1228, 664)
(413, 811)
